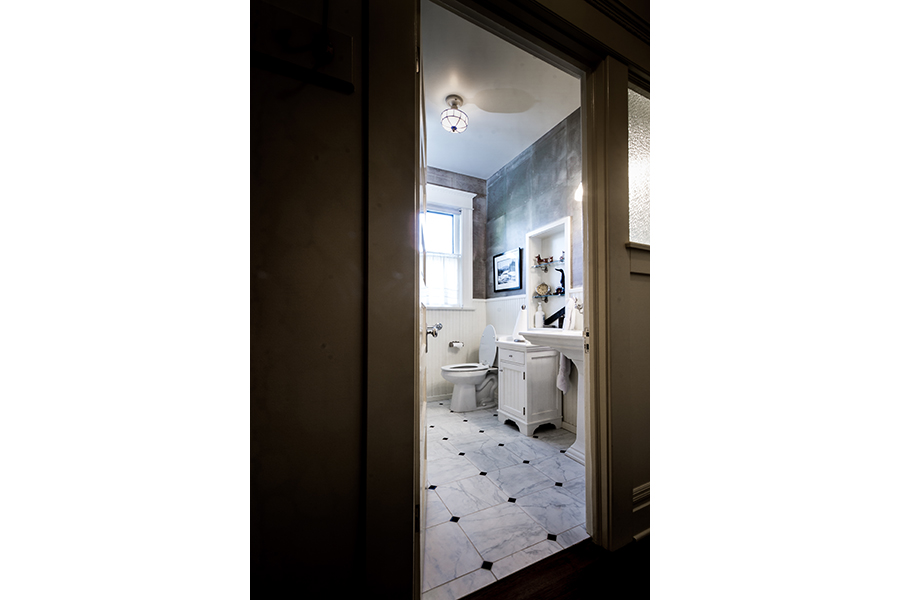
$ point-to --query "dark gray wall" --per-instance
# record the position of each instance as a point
(533, 189)
(457, 181)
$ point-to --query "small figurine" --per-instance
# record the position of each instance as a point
(562, 282)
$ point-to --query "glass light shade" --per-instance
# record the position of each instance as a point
(454, 120)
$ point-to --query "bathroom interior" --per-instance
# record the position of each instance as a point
(504, 489)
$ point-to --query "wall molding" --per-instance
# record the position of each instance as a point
(624, 17)
(641, 497)
(501, 298)
(639, 256)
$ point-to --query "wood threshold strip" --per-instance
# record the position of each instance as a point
(584, 570)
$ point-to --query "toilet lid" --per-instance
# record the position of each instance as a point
(488, 349)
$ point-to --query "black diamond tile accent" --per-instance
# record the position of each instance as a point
(561, 451)
(432, 487)
(513, 500)
(534, 436)
(431, 426)
(525, 462)
(441, 403)
(465, 420)
(481, 431)
(454, 519)
(558, 484)
(445, 439)
(499, 444)
(482, 473)
(551, 537)
(487, 565)
(462, 453)
(495, 414)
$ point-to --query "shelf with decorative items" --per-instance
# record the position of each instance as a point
(548, 247)
(544, 297)
(544, 265)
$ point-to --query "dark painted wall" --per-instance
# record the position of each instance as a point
(308, 231)
(533, 189)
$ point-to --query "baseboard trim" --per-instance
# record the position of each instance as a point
(640, 497)
(438, 398)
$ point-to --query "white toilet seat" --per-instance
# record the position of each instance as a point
(465, 367)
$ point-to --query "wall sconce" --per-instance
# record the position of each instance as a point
(453, 119)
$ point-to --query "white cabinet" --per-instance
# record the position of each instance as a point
(528, 394)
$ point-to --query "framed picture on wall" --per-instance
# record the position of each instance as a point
(508, 270)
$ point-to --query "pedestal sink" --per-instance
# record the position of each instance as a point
(569, 343)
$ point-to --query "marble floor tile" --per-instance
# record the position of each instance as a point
(553, 508)
(575, 488)
(470, 495)
(558, 438)
(458, 427)
(489, 456)
(440, 449)
(520, 480)
(485, 420)
(461, 586)
(445, 470)
(531, 450)
(471, 439)
(559, 468)
(448, 554)
(572, 536)
(435, 510)
(504, 433)
(435, 432)
(506, 532)
(501, 530)
(523, 558)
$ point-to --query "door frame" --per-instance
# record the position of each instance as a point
(393, 483)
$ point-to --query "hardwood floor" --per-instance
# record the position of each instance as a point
(583, 571)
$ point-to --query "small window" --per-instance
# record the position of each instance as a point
(443, 257)
(638, 167)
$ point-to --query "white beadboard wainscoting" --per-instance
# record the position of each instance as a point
(464, 326)
(502, 313)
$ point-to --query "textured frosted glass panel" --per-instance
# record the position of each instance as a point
(638, 167)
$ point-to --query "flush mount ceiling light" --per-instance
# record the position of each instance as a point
(453, 119)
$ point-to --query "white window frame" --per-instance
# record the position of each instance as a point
(446, 199)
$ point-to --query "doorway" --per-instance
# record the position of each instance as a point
(394, 486)
(515, 169)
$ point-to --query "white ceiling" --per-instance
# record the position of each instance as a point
(511, 97)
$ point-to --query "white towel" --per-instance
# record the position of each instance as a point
(570, 314)
(562, 379)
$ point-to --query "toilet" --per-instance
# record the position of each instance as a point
(474, 383)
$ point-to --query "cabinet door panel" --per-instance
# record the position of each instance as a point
(543, 395)
(512, 388)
